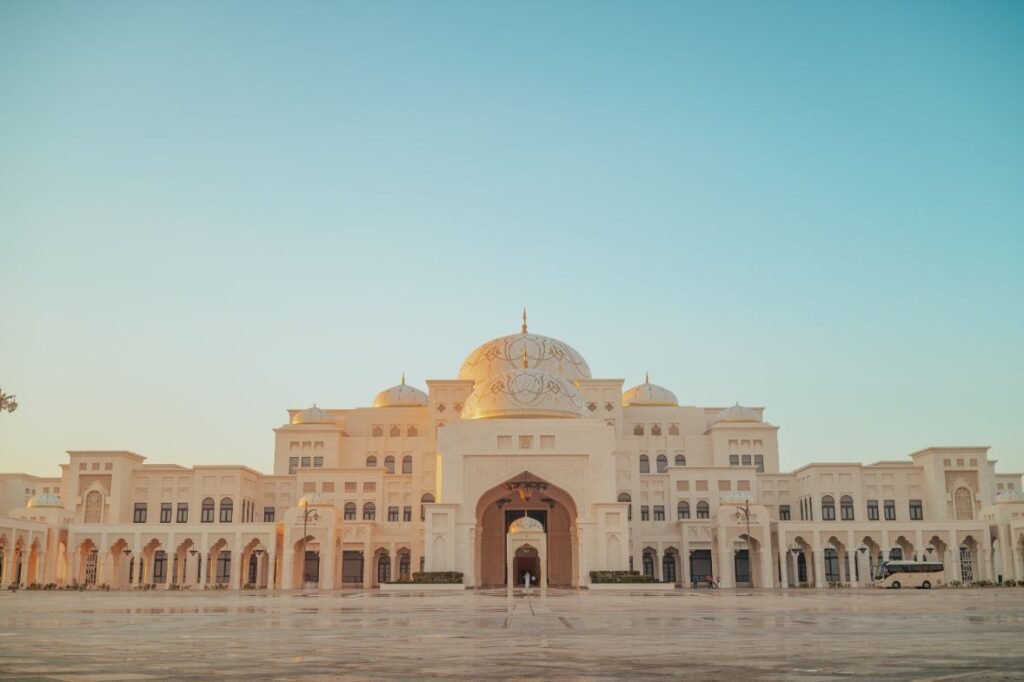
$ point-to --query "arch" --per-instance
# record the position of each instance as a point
(645, 464)
(383, 567)
(648, 560)
(207, 510)
(703, 510)
(412, 432)
(94, 507)
(846, 508)
(680, 460)
(963, 504)
(662, 463)
(673, 429)
(371, 462)
(350, 511)
(395, 432)
(682, 510)
(404, 564)
(377, 432)
(828, 508)
(407, 464)
(369, 511)
(655, 429)
(389, 464)
(669, 566)
(227, 509)
(638, 429)
(624, 497)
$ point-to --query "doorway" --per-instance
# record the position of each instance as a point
(526, 561)
(700, 564)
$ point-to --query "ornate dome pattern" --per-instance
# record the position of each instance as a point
(506, 353)
(312, 415)
(44, 500)
(524, 392)
(402, 395)
(738, 413)
(648, 394)
(526, 524)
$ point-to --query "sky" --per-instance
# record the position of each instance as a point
(213, 212)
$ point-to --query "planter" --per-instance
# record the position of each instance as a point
(632, 587)
(422, 587)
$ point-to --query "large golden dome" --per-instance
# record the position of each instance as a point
(524, 393)
(505, 354)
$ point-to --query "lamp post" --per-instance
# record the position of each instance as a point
(307, 514)
(7, 402)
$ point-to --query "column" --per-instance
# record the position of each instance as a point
(5, 577)
(784, 555)
(1006, 552)
(684, 562)
(367, 567)
(287, 569)
(726, 566)
(659, 557)
(953, 552)
(327, 562)
(767, 572)
(75, 566)
(1018, 561)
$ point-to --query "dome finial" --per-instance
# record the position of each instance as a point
(403, 378)
(524, 321)
(525, 363)
(647, 377)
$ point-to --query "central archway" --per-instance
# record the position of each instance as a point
(498, 507)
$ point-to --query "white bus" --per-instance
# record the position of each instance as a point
(897, 574)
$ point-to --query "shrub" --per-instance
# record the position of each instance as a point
(438, 577)
(13, 587)
(1010, 583)
(249, 586)
(954, 583)
(620, 577)
(982, 583)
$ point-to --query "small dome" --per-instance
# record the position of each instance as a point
(44, 500)
(522, 393)
(738, 413)
(526, 524)
(505, 354)
(312, 415)
(309, 501)
(402, 395)
(649, 394)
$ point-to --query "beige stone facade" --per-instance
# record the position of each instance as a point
(432, 480)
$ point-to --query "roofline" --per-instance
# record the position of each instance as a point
(951, 448)
(118, 453)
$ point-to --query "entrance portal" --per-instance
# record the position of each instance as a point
(526, 561)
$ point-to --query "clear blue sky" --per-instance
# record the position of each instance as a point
(212, 212)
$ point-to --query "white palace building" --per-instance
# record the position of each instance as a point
(434, 480)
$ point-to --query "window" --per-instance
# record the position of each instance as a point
(227, 509)
(293, 464)
(377, 432)
(784, 512)
(872, 510)
(407, 464)
(371, 462)
(525, 442)
(703, 511)
(268, 515)
(624, 497)
(683, 510)
(638, 429)
(916, 511)
(223, 567)
(746, 460)
(831, 557)
(207, 511)
(759, 463)
(426, 499)
(662, 464)
(680, 461)
(305, 462)
(406, 514)
(369, 512)
(412, 432)
(94, 507)
(846, 508)
(645, 513)
(395, 432)
(182, 512)
(673, 429)
(140, 512)
(890, 510)
(659, 512)
(645, 465)
(655, 429)
(389, 464)
(160, 566)
(404, 565)
(648, 564)
(963, 504)
(350, 511)
(828, 508)
(392, 514)
(384, 569)
(166, 509)
(318, 461)
(896, 554)
(734, 460)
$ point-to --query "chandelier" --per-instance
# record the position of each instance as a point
(525, 486)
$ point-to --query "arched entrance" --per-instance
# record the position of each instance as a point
(526, 495)
(526, 560)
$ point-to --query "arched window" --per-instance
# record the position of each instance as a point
(160, 566)
(371, 462)
(383, 568)
(638, 429)
(896, 554)
(369, 511)
(683, 510)
(703, 511)
(831, 557)
(624, 497)
(668, 567)
(846, 508)
(673, 430)
(662, 464)
(407, 464)
(680, 460)
(404, 566)
(828, 508)
(963, 504)
(395, 432)
(645, 465)
(378, 431)
(227, 508)
(655, 429)
(426, 499)
(350, 511)
(206, 516)
(412, 432)
(389, 464)
(648, 563)
(94, 507)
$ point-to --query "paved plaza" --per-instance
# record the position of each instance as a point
(729, 635)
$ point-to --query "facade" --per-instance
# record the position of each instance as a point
(436, 480)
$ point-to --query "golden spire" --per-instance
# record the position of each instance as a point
(403, 378)
(524, 320)
(525, 364)
(647, 377)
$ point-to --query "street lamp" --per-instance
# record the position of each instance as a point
(743, 514)
(307, 514)
(7, 402)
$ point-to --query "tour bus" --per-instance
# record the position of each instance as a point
(897, 574)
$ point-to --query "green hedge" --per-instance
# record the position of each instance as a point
(442, 577)
(620, 577)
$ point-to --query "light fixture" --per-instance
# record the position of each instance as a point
(525, 487)
(127, 551)
(192, 551)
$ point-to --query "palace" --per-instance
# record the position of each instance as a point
(438, 480)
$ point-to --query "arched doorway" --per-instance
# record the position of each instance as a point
(501, 505)
(526, 560)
